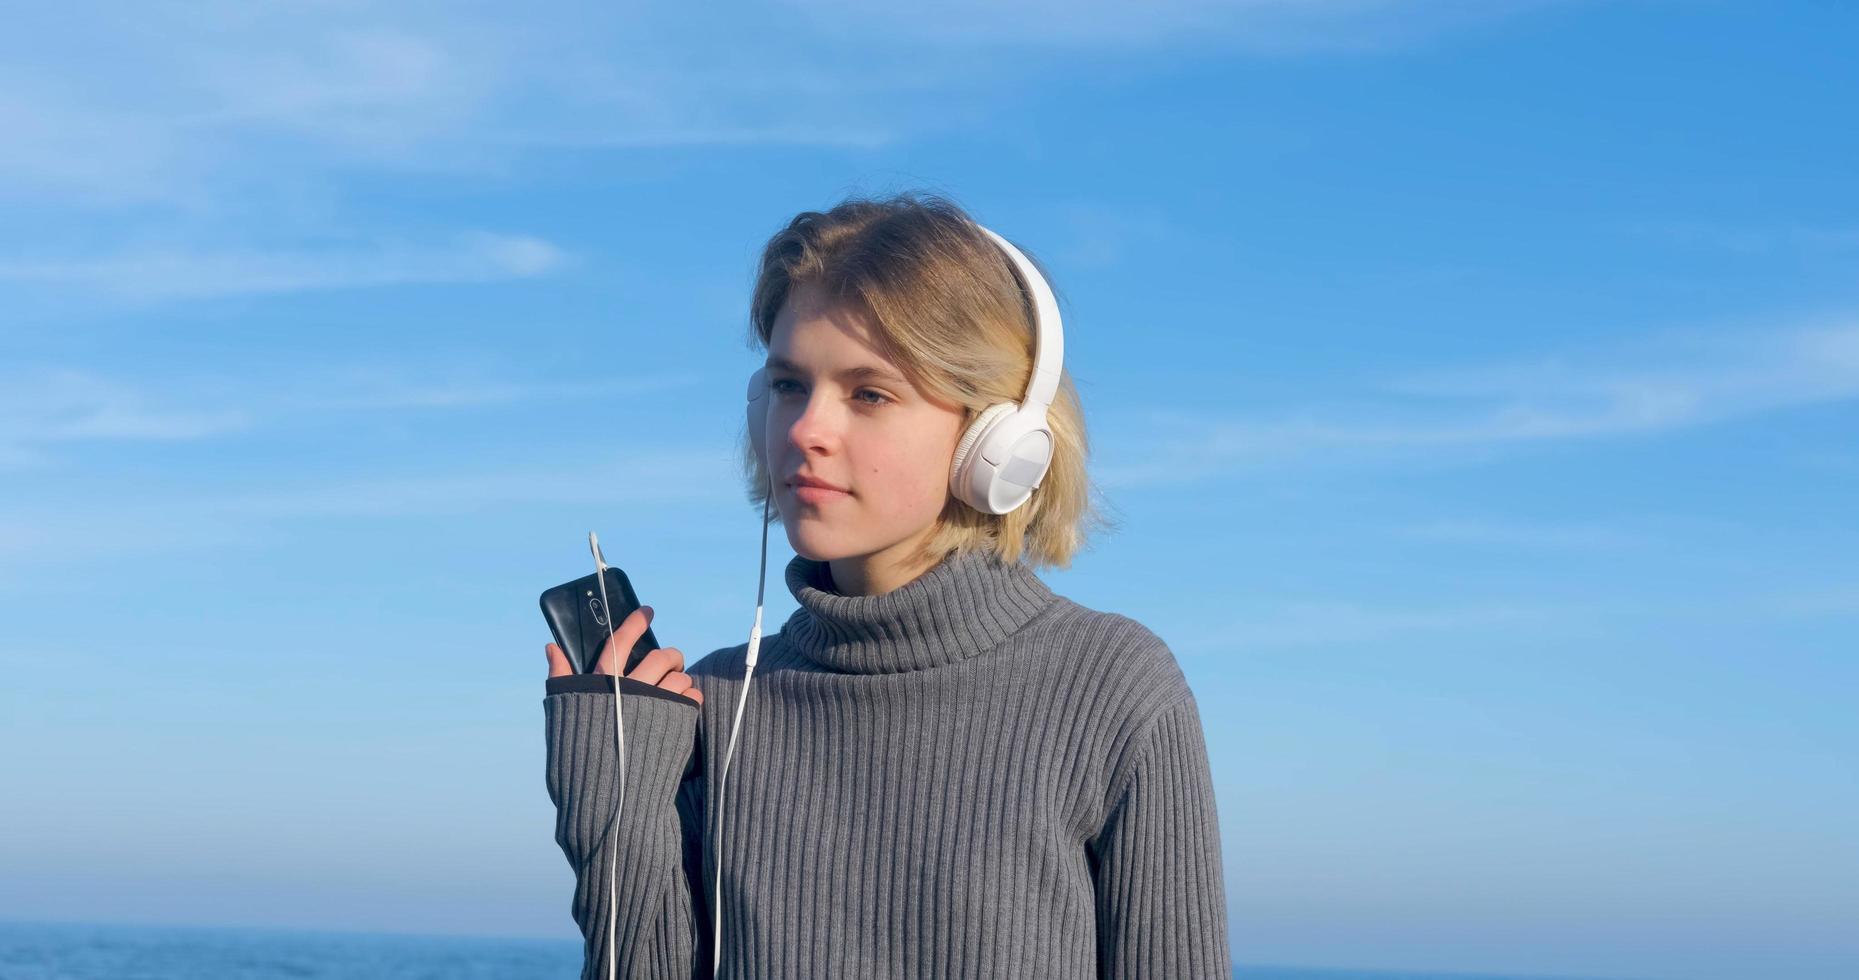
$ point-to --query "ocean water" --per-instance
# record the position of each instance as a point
(43, 951)
(68, 951)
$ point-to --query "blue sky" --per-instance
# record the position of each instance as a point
(1476, 385)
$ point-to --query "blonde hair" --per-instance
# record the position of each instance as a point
(943, 304)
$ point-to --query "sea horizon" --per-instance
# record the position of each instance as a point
(77, 950)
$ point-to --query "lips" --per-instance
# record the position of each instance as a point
(808, 481)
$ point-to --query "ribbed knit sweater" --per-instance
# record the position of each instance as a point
(966, 777)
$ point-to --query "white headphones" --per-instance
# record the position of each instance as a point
(1002, 457)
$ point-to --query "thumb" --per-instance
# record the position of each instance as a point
(558, 661)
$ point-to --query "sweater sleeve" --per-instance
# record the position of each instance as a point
(662, 933)
(1161, 902)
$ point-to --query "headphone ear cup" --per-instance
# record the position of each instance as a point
(968, 452)
(758, 417)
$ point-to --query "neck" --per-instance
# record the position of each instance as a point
(881, 571)
(960, 608)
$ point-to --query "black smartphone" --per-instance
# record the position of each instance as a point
(579, 619)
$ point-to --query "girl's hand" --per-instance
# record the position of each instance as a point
(663, 667)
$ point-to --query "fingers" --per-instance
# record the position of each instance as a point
(663, 667)
(680, 682)
(654, 666)
(558, 661)
(624, 638)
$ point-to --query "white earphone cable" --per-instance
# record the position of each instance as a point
(748, 677)
(613, 844)
(619, 743)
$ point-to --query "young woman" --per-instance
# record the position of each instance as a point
(943, 768)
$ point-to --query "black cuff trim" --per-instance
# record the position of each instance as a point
(603, 684)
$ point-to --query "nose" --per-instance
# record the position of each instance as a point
(816, 429)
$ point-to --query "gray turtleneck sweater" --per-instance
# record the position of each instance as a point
(968, 776)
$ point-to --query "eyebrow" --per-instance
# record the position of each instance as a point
(863, 371)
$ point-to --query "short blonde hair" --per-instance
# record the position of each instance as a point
(944, 304)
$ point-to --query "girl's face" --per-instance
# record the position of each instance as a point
(842, 414)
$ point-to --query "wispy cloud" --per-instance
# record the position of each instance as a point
(662, 475)
(1660, 384)
(1517, 534)
(1745, 239)
(210, 106)
(157, 274)
(1279, 27)
(193, 103)
(182, 104)
(1097, 235)
(1308, 622)
(1298, 622)
(44, 408)
(1815, 602)
(179, 518)
(195, 125)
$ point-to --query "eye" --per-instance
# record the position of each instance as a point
(878, 398)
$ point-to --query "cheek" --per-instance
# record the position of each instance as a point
(909, 478)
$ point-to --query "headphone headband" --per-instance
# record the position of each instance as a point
(1048, 335)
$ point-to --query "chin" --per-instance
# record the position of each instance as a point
(816, 544)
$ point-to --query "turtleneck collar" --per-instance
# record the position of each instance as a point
(962, 607)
